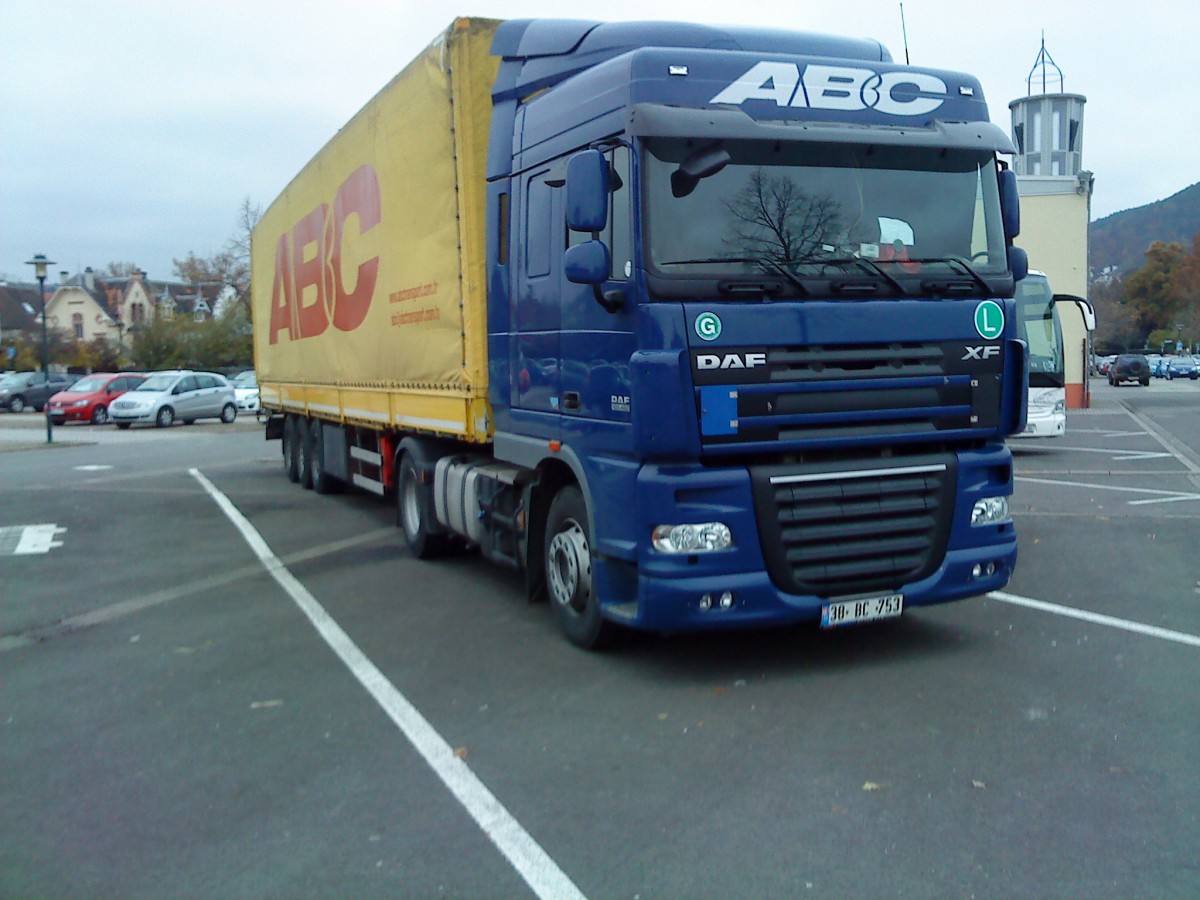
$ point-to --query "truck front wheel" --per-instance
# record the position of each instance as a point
(414, 513)
(569, 583)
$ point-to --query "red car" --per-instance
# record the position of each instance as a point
(88, 398)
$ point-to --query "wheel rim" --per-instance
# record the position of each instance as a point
(17, 405)
(165, 417)
(100, 415)
(569, 567)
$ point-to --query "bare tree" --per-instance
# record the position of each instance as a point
(229, 266)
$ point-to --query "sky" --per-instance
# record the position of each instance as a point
(133, 131)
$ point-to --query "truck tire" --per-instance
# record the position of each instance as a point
(303, 457)
(568, 563)
(314, 447)
(414, 513)
(291, 448)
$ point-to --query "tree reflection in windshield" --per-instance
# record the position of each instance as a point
(775, 219)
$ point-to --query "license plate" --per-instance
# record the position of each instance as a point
(868, 609)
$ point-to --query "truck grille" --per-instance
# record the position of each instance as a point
(846, 528)
(861, 393)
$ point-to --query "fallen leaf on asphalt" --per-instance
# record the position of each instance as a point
(460, 753)
(720, 689)
(978, 784)
(872, 786)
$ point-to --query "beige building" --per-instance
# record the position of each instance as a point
(1056, 209)
(1055, 212)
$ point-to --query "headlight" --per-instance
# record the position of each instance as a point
(1060, 407)
(989, 511)
(80, 403)
(704, 537)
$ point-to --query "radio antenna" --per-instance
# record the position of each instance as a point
(904, 31)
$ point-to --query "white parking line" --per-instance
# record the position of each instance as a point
(1168, 443)
(1119, 455)
(1167, 496)
(532, 863)
(1165, 634)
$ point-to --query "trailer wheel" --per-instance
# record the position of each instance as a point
(568, 557)
(414, 513)
(314, 447)
(303, 457)
(291, 448)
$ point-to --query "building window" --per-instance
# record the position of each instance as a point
(77, 325)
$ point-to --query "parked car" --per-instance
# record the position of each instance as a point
(1158, 366)
(21, 389)
(1182, 367)
(88, 399)
(1105, 363)
(1129, 367)
(179, 394)
(245, 386)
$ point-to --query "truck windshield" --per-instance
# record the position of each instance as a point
(894, 214)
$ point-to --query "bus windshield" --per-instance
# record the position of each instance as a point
(1038, 325)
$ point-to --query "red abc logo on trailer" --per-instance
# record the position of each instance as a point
(308, 264)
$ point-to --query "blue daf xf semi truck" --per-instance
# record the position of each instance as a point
(723, 333)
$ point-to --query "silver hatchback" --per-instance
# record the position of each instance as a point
(186, 396)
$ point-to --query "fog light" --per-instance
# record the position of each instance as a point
(989, 511)
(704, 537)
(706, 603)
(726, 601)
(982, 570)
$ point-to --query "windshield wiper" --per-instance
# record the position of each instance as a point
(962, 266)
(769, 264)
(870, 265)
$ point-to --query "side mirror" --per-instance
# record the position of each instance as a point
(703, 163)
(1010, 204)
(587, 192)
(587, 263)
(1018, 262)
(1085, 309)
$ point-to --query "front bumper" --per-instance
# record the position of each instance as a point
(132, 416)
(1044, 423)
(663, 592)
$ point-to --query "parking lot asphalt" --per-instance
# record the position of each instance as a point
(180, 719)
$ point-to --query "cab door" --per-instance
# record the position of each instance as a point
(596, 343)
(536, 309)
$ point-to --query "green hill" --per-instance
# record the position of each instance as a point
(1121, 239)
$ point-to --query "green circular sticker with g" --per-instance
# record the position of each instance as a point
(708, 326)
(989, 320)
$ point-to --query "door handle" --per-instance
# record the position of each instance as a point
(571, 400)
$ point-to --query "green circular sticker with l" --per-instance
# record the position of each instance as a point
(708, 326)
(989, 320)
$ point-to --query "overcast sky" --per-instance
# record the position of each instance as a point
(132, 131)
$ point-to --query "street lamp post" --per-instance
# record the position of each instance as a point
(39, 263)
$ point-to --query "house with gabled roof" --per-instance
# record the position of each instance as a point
(79, 311)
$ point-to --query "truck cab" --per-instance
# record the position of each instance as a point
(750, 298)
